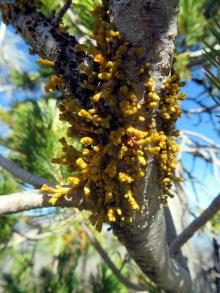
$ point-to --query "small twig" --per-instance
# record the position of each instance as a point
(7, 1)
(58, 17)
(195, 226)
(126, 260)
(22, 174)
(33, 235)
(200, 136)
(198, 57)
(110, 264)
(204, 109)
(35, 199)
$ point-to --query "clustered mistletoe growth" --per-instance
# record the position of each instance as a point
(117, 131)
(114, 152)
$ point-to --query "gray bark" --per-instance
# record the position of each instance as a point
(22, 174)
(146, 241)
(153, 26)
(36, 199)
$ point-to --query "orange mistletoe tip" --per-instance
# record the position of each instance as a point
(44, 62)
(54, 83)
(46, 188)
(57, 192)
(99, 58)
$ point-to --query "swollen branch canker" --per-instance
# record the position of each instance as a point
(114, 153)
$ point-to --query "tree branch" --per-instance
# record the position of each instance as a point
(22, 174)
(49, 42)
(195, 226)
(7, 1)
(61, 13)
(35, 199)
(29, 200)
(198, 57)
(110, 264)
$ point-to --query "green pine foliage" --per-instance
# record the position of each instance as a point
(7, 223)
(215, 224)
(79, 20)
(34, 137)
(18, 280)
(105, 281)
(66, 279)
(212, 53)
(195, 17)
(193, 27)
(24, 80)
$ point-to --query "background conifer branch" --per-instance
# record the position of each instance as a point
(197, 224)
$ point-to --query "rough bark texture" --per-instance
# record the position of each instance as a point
(151, 25)
(145, 240)
(49, 42)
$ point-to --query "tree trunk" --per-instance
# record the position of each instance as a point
(153, 26)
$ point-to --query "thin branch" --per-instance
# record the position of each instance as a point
(203, 109)
(198, 57)
(80, 27)
(200, 53)
(48, 41)
(110, 264)
(35, 199)
(22, 174)
(195, 226)
(61, 13)
(200, 136)
(34, 235)
(7, 1)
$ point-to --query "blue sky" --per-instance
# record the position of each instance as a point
(202, 171)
